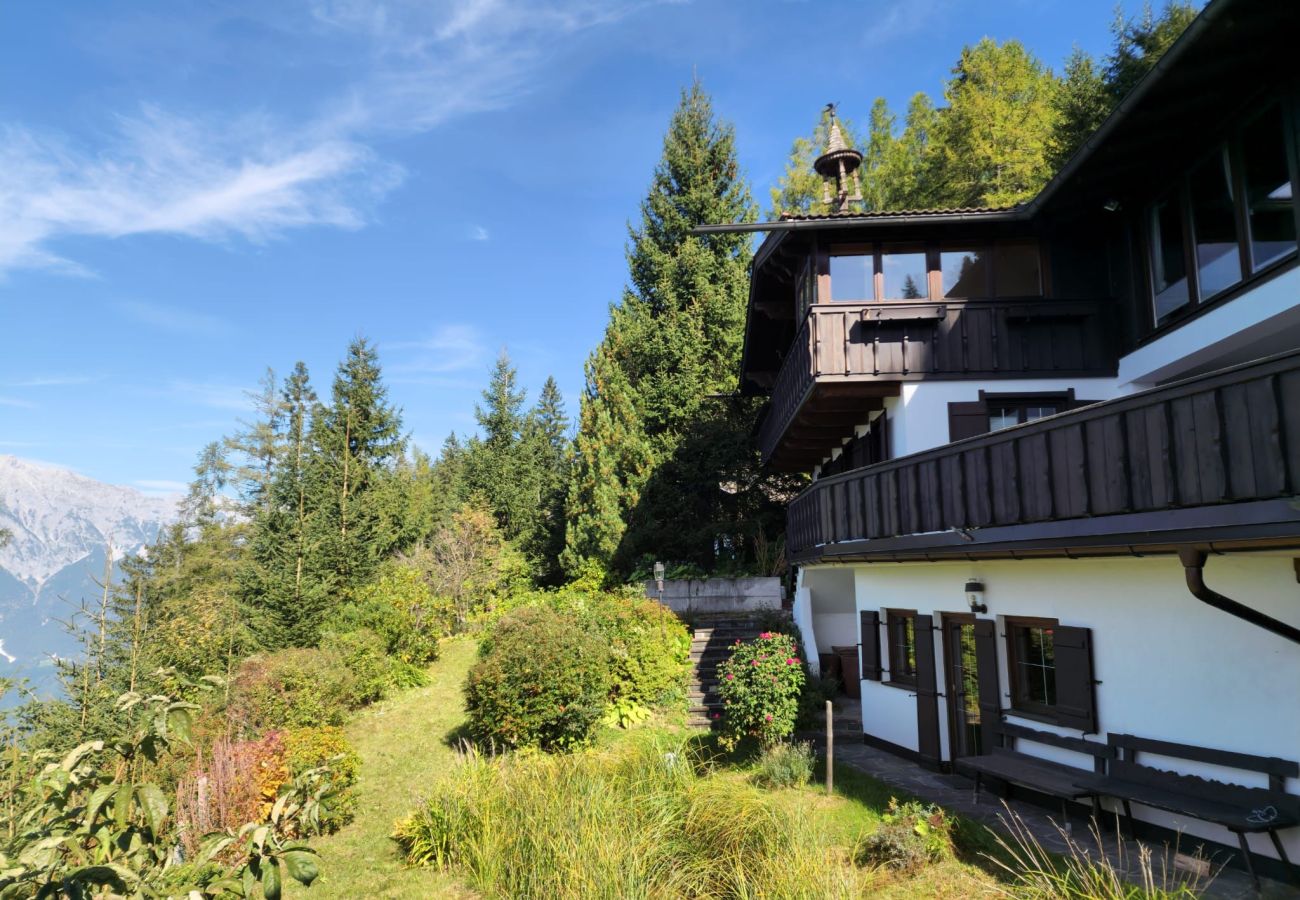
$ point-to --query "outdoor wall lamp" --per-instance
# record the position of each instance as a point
(975, 597)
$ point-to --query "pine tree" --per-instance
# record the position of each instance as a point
(669, 356)
(257, 446)
(546, 441)
(356, 442)
(1082, 102)
(211, 473)
(1140, 42)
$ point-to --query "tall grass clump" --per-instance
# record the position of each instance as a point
(648, 818)
(1031, 872)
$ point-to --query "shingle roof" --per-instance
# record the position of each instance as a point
(895, 213)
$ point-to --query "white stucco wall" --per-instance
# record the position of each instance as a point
(919, 415)
(1170, 667)
(1245, 327)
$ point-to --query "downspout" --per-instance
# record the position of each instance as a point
(1193, 561)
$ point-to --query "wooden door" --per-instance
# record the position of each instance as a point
(927, 692)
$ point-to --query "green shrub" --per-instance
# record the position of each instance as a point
(645, 818)
(760, 685)
(292, 689)
(911, 835)
(785, 765)
(541, 681)
(399, 607)
(362, 651)
(313, 748)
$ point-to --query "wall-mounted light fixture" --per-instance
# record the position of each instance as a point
(975, 597)
(1112, 205)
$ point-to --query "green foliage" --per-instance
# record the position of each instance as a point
(647, 818)
(1083, 100)
(366, 658)
(327, 748)
(760, 684)
(90, 826)
(1141, 41)
(911, 835)
(785, 765)
(292, 689)
(400, 607)
(663, 464)
(541, 681)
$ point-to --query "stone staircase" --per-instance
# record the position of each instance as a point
(711, 644)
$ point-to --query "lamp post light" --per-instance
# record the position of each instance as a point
(975, 596)
(659, 580)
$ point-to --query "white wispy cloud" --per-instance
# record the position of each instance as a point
(253, 177)
(478, 233)
(450, 349)
(16, 402)
(211, 394)
(52, 380)
(900, 18)
(169, 318)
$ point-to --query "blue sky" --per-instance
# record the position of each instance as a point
(193, 191)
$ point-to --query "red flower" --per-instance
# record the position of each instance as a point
(753, 662)
(737, 640)
(731, 677)
(768, 717)
(792, 661)
(717, 715)
(766, 635)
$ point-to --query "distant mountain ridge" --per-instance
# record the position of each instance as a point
(62, 525)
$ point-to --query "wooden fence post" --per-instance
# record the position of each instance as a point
(830, 749)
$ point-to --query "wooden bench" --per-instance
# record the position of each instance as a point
(1008, 765)
(1242, 810)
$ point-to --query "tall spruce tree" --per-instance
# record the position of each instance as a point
(656, 383)
(546, 442)
(357, 442)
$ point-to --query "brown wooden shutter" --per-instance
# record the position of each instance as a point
(869, 622)
(967, 420)
(927, 691)
(1076, 704)
(986, 668)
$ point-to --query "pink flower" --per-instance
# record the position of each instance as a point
(792, 661)
(768, 717)
(766, 635)
(717, 715)
(731, 677)
(753, 662)
(737, 640)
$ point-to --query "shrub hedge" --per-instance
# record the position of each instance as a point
(542, 680)
(327, 746)
(292, 688)
(760, 685)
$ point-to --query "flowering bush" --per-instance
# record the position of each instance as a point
(760, 686)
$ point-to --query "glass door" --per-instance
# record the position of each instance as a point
(965, 727)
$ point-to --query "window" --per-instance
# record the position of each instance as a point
(1168, 261)
(905, 274)
(1268, 190)
(1031, 663)
(852, 277)
(1214, 222)
(900, 626)
(1015, 268)
(805, 292)
(964, 273)
(1004, 414)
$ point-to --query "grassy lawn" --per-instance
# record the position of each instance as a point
(403, 743)
(404, 747)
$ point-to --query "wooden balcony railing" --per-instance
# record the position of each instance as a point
(847, 343)
(1224, 438)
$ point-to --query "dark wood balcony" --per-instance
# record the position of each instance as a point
(847, 357)
(1213, 460)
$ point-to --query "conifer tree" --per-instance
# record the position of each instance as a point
(356, 440)
(670, 355)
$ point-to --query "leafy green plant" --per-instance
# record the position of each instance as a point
(366, 657)
(308, 749)
(263, 853)
(401, 608)
(911, 835)
(785, 765)
(625, 714)
(542, 681)
(292, 689)
(760, 686)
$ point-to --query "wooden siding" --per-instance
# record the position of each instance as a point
(1226, 437)
(891, 342)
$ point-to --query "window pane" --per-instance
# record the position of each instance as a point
(1168, 261)
(905, 276)
(1003, 417)
(1015, 269)
(1214, 223)
(1268, 190)
(1039, 412)
(1035, 665)
(965, 273)
(851, 278)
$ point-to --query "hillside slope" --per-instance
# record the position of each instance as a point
(404, 745)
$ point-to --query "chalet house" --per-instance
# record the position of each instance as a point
(1055, 455)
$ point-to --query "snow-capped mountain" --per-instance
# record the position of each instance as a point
(62, 526)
